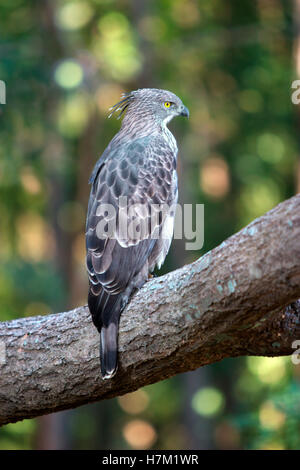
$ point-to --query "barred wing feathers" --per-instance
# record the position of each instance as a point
(127, 182)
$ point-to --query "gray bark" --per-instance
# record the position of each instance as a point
(238, 299)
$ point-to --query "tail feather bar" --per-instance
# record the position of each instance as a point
(105, 310)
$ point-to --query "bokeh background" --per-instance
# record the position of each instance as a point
(64, 63)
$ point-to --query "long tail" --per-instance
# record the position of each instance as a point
(105, 310)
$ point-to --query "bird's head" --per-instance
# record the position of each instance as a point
(162, 105)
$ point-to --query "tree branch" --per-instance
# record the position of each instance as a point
(238, 299)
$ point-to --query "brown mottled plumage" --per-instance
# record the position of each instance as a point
(139, 164)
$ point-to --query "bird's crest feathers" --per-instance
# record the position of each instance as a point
(122, 105)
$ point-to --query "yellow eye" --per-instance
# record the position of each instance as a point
(167, 104)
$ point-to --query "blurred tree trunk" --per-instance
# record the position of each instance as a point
(198, 429)
(52, 429)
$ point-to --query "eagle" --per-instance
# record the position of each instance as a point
(130, 217)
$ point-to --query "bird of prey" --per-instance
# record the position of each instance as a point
(138, 167)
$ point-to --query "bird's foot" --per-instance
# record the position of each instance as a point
(151, 276)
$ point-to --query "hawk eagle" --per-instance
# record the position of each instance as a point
(130, 217)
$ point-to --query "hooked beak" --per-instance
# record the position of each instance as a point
(184, 112)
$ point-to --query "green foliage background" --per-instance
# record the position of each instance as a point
(64, 63)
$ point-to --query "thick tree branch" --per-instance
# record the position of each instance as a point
(238, 299)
